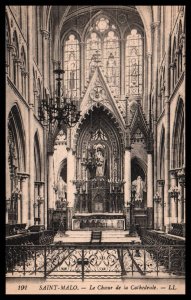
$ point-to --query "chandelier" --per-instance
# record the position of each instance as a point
(63, 109)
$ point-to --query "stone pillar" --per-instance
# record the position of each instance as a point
(161, 192)
(155, 216)
(149, 72)
(51, 204)
(173, 202)
(184, 205)
(171, 77)
(19, 202)
(167, 142)
(127, 176)
(82, 69)
(45, 46)
(31, 117)
(149, 190)
(127, 185)
(70, 187)
(25, 199)
(155, 26)
(41, 212)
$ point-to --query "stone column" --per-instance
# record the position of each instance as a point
(45, 187)
(167, 142)
(51, 204)
(127, 176)
(149, 190)
(171, 77)
(70, 187)
(19, 202)
(161, 192)
(31, 117)
(41, 210)
(184, 205)
(173, 203)
(155, 215)
(179, 204)
(70, 190)
(155, 26)
(45, 45)
(127, 184)
(25, 199)
(82, 69)
(149, 73)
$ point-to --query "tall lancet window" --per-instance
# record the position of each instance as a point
(93, 52)
(134, 63)
(112, 61)
(72, 66)
(102, 49)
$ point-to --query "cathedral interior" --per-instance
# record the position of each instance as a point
(95, 120)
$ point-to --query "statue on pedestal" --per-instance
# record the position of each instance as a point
(138, 186)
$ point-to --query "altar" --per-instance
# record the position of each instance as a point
(98, 222)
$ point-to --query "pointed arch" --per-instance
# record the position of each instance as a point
(71, 61)
(99, 127)
(138, 167)
(62, 171)
(16, 130)
(178, 136)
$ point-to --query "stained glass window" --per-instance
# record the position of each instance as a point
(93, 51)
(112, 61)
(102, 48)
(134, 63)
(72, 66)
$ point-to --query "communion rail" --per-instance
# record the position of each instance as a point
(82, 261)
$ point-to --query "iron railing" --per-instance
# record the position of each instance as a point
(95, 261)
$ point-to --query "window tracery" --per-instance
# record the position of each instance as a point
(72, 66)
(134, 63)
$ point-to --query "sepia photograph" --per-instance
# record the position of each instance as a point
(95, 149)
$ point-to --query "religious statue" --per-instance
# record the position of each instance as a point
(100, 162)
(111, 70)
(62, 186)
(92, 66)
(139, 187)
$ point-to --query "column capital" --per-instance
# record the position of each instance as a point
(161, 182)
(173, 174)
(155, 25)
(45, 34)
(22, 176)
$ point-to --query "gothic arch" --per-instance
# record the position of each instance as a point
(67, 33)
(37, 158)
(114, 120)
(141, 167)
(62, 171)
(16, 130)
(178, 136)
(96, 128)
